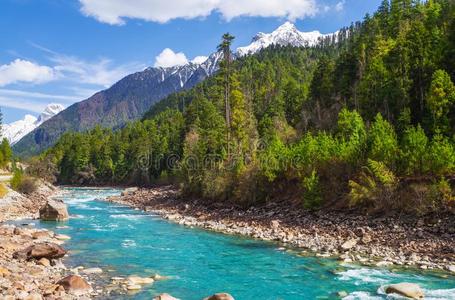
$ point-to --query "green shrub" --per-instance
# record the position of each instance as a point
(441, 156)
(312, 193)
(383, 143)
(23, 184)
(414, 151)
(376, 185)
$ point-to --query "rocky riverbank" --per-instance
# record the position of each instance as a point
(31, 265)
(426, 242)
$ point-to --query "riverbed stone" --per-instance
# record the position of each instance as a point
(38, 251)
(349, 244)
(92, 271)
(134, 280)
(75, 284)
(44, 262)
(410, 290)
(54, 211)
(220, 296)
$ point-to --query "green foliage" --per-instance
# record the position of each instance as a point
(383, 144)
(16, 180)
(6, 154)
(375, 186)
(441, 99)
(311, 191)
(414, 151)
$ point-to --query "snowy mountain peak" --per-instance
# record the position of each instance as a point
(285, 35)
(13, 132)
(50, 111)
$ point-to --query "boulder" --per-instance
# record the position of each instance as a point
(54, 211)
(165, 297)
(38, 251)
(75, 284)
(410, 290)
(349, 244)
(220, 296)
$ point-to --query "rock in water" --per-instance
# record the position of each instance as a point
(165, 297)
(54, 211)
(406, 289)
(220, 296)
(75, 284)
(42, 250)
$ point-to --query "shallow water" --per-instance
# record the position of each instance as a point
(126, 241)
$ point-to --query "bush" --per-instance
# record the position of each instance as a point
(383, 142)
(23, 184)
(376, 186)
(312, 193)
(414, 151)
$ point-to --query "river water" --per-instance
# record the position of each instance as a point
(123, 241)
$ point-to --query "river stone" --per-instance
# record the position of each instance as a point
(410, 290)
(38, 251)
(92, 271)
(220, 296)
(44, 262)
(34, 296)
(54, 211)
(75, 284)
(165, 296)
(349, 244)
(139, 280)
(133, 287)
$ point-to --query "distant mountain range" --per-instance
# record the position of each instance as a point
(132, 96)
(15, 131)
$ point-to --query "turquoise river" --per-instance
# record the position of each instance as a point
(123, 241)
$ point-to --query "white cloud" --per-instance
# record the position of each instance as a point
(115, 12)
(168, 58)
(199, 59)
(24, 94)
(25, 71)
(22, 103)
(340, 5)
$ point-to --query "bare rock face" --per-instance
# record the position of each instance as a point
(41, 250)
(410, 290)
(165, 296)
(220, 296)
(75, 284)
(54, 211)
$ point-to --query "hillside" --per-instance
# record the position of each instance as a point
(365, 118)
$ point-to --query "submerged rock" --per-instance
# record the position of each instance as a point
(41, 250)
(54, 211)
(135, 280)
(165, 296)
(75, 284)
(220, 296)
(406, 289)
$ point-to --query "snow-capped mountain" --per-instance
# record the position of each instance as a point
(285, 35)
(14, 131)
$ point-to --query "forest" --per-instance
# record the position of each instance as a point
(365, 119)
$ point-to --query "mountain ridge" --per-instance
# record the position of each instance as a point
(132, 96)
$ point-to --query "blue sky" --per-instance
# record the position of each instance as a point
(62, 51)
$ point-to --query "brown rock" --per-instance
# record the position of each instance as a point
(54, 211)
(34, 296)
(406, 289)
(40, 234)
(44, 262)
(349, 244)
(220, 296)
(165, 296)
(75, 284)
(38, 251)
